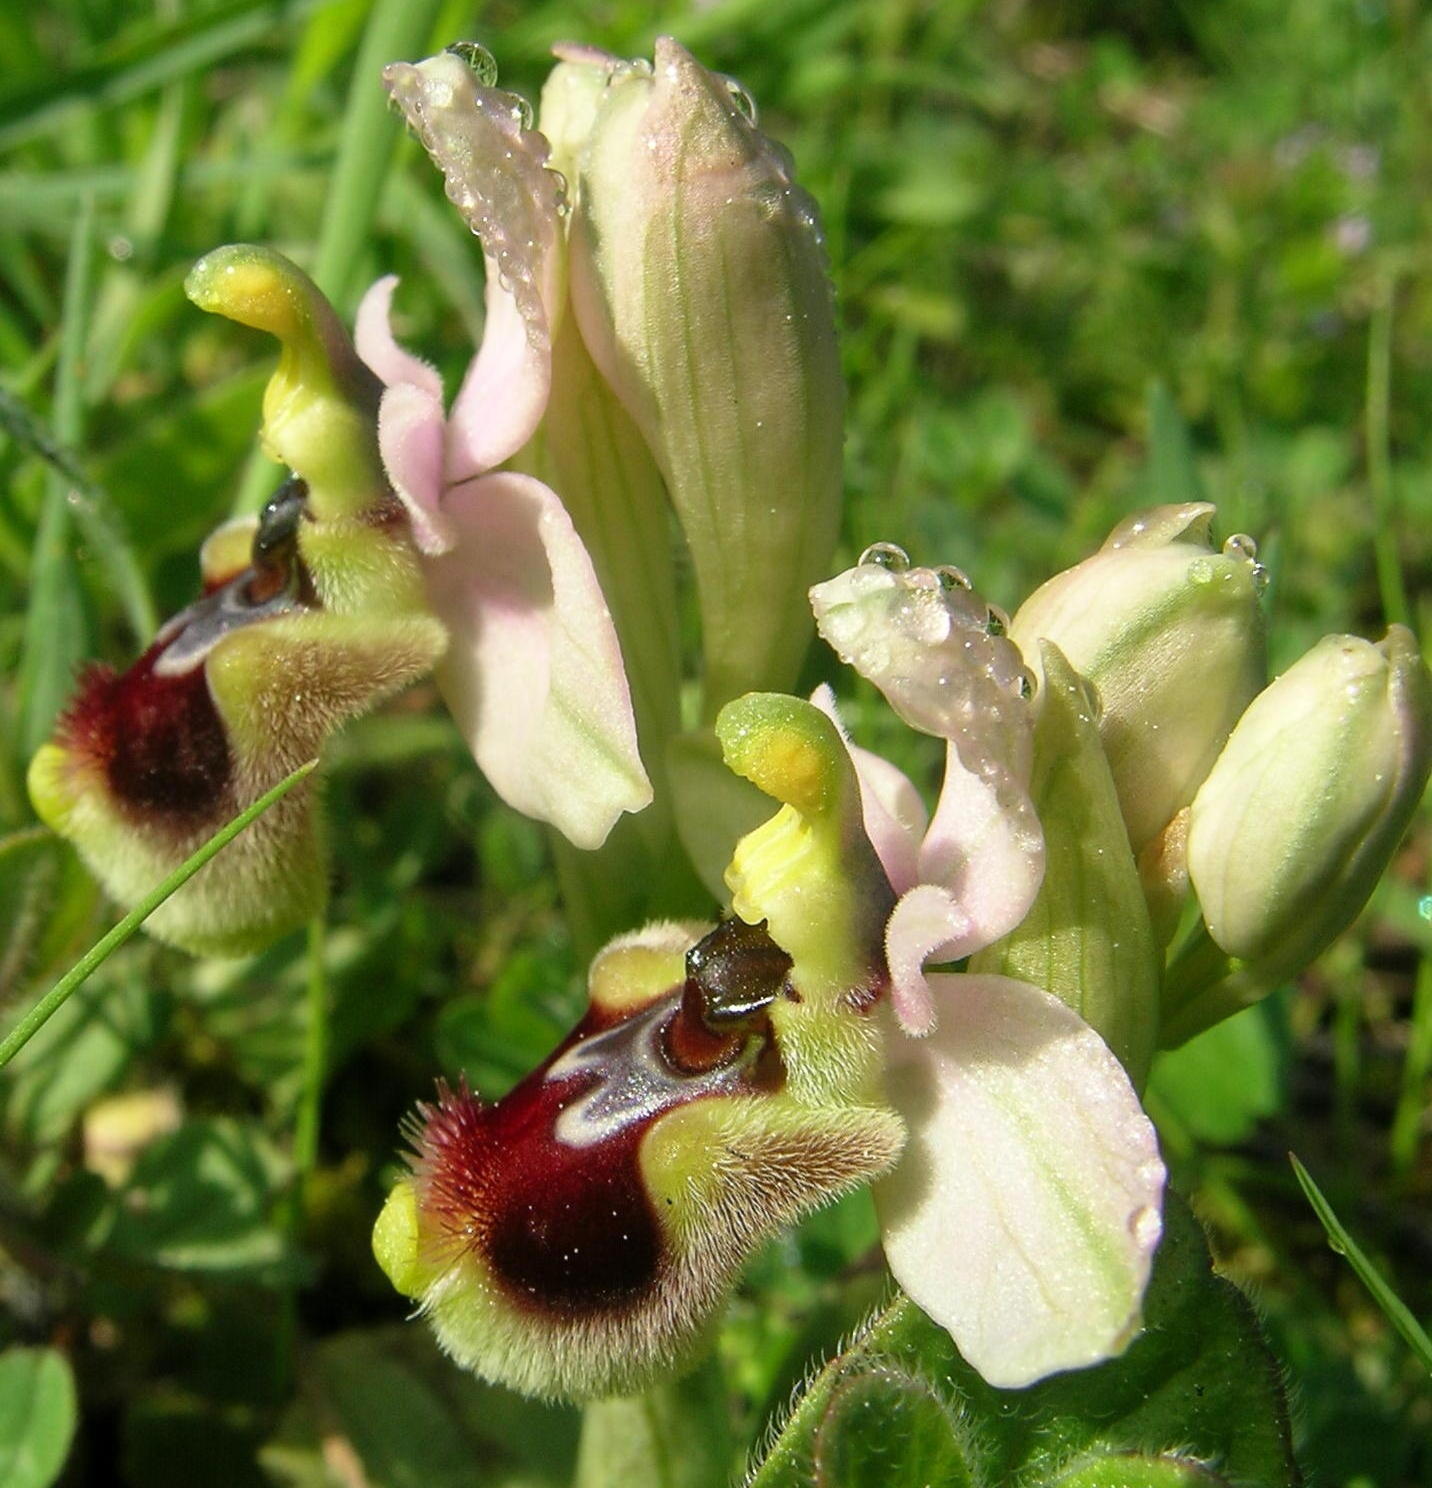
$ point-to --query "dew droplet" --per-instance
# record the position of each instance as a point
(478, 58)
(1240, 545)
(522, 112)
(997, 622)
(742, 99)
(1260, 578)
(952, 578)
(885, 555)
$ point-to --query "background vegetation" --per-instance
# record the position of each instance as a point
(1037, 213)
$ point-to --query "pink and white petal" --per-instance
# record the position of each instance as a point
(504, 391)
(986, 847)
(927, 923)
(533, 673)
(378, 347)
(410, 440)
(895, 816)
(495, 171)
(1025, 1211)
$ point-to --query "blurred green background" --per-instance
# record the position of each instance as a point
(1044, 221)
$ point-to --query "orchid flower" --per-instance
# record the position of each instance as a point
(1025, 1211)
(573, 1237)
(533, 673)
(311, 614)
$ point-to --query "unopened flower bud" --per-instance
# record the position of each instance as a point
(699, 281)
(311, 613)
(1169, 632)
(1309, 799)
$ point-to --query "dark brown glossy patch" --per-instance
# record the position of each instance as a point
(159, 739)
(546, 1184)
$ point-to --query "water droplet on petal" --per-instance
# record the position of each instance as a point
(742, 99)
(477, 57)
(952, 578)
(998, 622)
(1240, 545)
(885, 555)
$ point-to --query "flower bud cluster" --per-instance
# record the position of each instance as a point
(1278, 807)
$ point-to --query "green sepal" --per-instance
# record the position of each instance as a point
(1087, 937)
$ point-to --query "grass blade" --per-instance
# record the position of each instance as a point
(1391, 1304)
(396, 28)
(103, 948)
(56, 634)
(1391, 588)
(1172, 468)
(101, 524)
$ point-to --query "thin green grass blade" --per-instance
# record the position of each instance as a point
(1391, 1304)
(396, 29)
(103, 948)
(142, 59)
(101, 524)
(56, 634)
(1391, 587)
(1172, 468)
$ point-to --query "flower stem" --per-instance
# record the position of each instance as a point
(305, 1133)
(1189, 1002)
(676, 1435)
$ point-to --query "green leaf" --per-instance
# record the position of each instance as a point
(1393, 1307)
(1196, 1399)
(79, 1054)
(200, 1200)
(37, 1416)
(1219, 1085)
(386, 1403)
(884, 1426)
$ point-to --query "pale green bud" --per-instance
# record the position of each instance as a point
(1309, 799)
(699, 282)
(1169, 632)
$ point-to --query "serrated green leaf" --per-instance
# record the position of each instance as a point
(37, 1416)
(1197, 1387)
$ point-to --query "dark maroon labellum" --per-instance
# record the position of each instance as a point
(159, 739)
(546, 1184)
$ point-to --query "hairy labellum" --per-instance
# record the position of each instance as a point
(310, 614)
(572, 1238)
